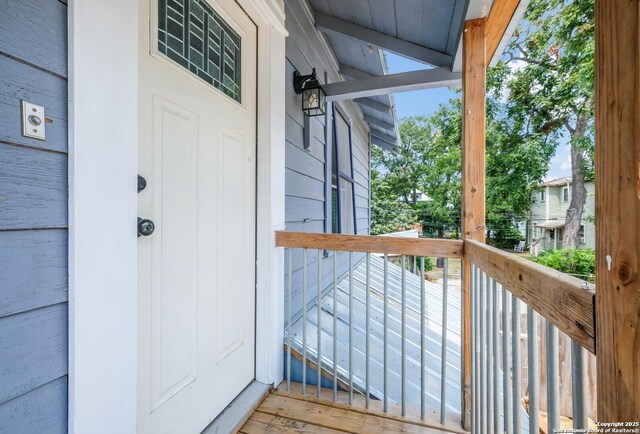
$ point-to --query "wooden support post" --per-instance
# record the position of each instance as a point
(473, 177)
(618, 209)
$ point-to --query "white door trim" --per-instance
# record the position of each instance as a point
(103, 162)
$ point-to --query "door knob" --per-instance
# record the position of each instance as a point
(145, 227)
(142, 183)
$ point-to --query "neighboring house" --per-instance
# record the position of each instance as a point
(546, 223)
(105, 331)
(420, 197)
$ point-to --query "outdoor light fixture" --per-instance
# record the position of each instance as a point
(313, 96)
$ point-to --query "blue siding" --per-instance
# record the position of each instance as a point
(33, 220)
(306, 173)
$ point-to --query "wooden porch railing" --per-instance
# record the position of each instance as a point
(499, 283)
(510, 294)
(372, 244)
(565, 301)
(365, 325)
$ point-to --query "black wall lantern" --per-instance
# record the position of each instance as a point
(313, 96)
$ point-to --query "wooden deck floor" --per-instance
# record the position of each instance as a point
(282, 412)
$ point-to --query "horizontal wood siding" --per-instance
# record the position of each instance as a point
(33, 270)
(33, 220)
(45, 409)
(306, 171)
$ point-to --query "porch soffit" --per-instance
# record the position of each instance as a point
(428, 31)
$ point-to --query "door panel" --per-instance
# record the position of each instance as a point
(197, 270)
(175, 155)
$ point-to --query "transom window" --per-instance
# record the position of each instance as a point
(196, 37)
(342, 203)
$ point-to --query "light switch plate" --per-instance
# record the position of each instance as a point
(33, 121)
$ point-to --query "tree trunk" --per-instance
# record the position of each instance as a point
(579, 190)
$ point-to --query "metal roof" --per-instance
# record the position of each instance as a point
(433, 336)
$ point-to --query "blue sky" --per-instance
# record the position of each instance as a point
(426, 102)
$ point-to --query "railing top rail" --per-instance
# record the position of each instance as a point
(371, 244)
(562, 299)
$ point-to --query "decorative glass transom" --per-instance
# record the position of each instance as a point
(193, 35)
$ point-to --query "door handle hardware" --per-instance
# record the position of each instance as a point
(145, 227)
(142, 183)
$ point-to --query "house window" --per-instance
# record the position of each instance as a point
(342, 193)
(543, 195)
(581, 235)
(565, 194)
(191, 34)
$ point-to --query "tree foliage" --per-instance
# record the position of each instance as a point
(430, 160)
(578, 262)
(388, 214)
(548, 77)
(539, 95)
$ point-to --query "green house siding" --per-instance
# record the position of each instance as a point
(554, 207)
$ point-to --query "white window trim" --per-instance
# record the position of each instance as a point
(103, 165)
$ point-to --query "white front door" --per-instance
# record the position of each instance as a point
(197, 152)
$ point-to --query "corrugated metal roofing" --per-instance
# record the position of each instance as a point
(432, 337)
(432, 345)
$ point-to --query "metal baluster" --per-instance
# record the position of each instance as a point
(475, 341)
(335, 327)
(483, 354)
(579, 379)
(516, 364)
(496, 359)
(350, 327)
(490, 336)
(385, 332)
(319, 326)
(415, 265)
(533, 370)
(368, 330)
(553, 392)
(443, 356)
(304, 322)
(423, 333)
(289, 327)
(472, 340)
(403, 334)
(506, 368)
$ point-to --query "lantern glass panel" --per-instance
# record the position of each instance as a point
(313, 102)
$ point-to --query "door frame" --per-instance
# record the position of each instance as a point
(103, 165)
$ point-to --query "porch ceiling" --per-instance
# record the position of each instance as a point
(428, 31)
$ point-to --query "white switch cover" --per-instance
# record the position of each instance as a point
(33, 121)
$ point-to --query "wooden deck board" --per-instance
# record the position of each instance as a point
(267, 423)
(284, 412)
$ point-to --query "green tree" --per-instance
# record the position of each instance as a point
(430, 161)
(388, 214)
(548, 76)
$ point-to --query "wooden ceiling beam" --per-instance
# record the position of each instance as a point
(392, 83)
(379, 122)
(336, 26)
(354, 73)
(374, 105)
